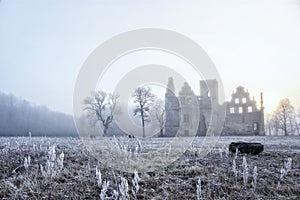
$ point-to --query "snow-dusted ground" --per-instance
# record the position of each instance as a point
(291, 143)
(279, 143)
(177, 180)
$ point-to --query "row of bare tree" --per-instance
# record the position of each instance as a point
(102, 107)
(285, 120)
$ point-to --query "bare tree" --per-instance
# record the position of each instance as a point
(272, 124)
(297, 121)
(285, 116)
(158, 112)
(276, 123)
(144, 99)
(268, 124)
(102, 107)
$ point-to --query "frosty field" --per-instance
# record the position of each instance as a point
(63, 168)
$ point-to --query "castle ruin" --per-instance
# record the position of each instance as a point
(188, 112)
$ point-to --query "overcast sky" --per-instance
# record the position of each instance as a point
(253, 43)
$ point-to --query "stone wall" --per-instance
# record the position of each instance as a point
(186, 112)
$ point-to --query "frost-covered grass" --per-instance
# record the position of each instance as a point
(71, 172)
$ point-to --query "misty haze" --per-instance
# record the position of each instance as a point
(150, 99)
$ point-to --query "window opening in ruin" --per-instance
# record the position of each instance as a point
(250, 109)
(183, 101)
(237, 101)
(244, 100)
(240, 109)
(188, 100)
(255, 126)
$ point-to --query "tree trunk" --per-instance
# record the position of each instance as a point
(104, 131)
(285, 125)
(297, 128)
(161, 132)
(143, 123)
(285, 130)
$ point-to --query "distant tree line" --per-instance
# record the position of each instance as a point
(18, 117)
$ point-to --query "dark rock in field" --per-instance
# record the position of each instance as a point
(246, 148)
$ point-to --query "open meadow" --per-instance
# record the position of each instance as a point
(63, 168)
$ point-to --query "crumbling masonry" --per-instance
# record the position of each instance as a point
(188, 114)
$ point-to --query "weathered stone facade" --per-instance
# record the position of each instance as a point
(190, 115)
(172, 110)
(243, 117)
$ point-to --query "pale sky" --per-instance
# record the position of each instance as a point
(253, 43)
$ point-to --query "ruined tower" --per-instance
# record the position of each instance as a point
(209, 90)
(208, 103)
(262, 115)
(172, 110)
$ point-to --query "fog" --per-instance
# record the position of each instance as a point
(18, 117)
